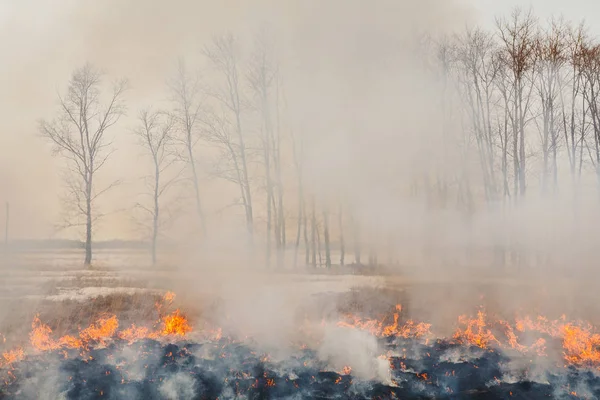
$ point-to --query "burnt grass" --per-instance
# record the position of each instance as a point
(224, 369)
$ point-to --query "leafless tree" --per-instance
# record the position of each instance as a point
(326, 237)
(357, 243)
(590, 64)
(78, 134)
(185, 91)
(298, 157)
(263, 77)
(573, 103)
(155, 134)
(224, 56)
(341, 228)
(517, 54)
(503, 122)
(475, 57)
(314, 231)
(552, 56)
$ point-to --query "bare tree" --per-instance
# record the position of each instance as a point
(573, 103)
(185, 91)
(226, 128)
(477, 72)
(79, 135)
(326, 237)
(357, 244)
(590, 63)
(503, 121)
(298, 156)
(6, 226)
(314, 231)
(551, 54)
(517, 53)
(263, 77)
(155, 132)
(341, 228)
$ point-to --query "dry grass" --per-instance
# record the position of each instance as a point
(68, 316)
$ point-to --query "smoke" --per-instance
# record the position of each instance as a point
(362, 358)
(333, 56)
(367, 104)
(178, 387)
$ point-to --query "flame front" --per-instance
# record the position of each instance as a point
(101, 331)
(475, 331)
(12, 356)
(378, 328)
(175, 324)
(580, 342)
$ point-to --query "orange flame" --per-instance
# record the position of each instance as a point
(407, 330)
(134, 333)
(12, 356)
(104, 328)
(580, 342)
(169, 297)
(476, 331)
(175, 324)
(582, 347)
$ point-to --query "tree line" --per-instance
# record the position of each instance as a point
(522, 97)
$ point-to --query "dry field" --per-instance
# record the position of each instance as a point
(66, 295)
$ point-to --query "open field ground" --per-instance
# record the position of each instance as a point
(56, 285)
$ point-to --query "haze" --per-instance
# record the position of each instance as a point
(356, 92)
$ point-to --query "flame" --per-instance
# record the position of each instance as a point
(134, 333)
(423, 376)
(41, 340)
(169, 297)
(102, 329)
(40, 336)
(407, 330)
(175, 324)
(12, 356)
(580, 341)
(105, 329)
(476, 331)
(581, 346)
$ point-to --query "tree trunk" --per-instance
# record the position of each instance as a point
(522, 161)
(298, 233)
(306, 242)
(196, 188)
(319, 247)
(156, 210)
(342, 243)
(554, 151)
(269, 205)
(326, 238)
(88, 225)
(314, 234)
(246, 181)
(6, 225)
(357, 254)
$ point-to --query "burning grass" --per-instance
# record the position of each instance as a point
(170, 357)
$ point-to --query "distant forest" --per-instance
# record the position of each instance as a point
(498, 117)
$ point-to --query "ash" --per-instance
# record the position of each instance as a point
(225, 369)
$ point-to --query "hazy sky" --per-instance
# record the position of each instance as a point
(42, 41)
(574, 10)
